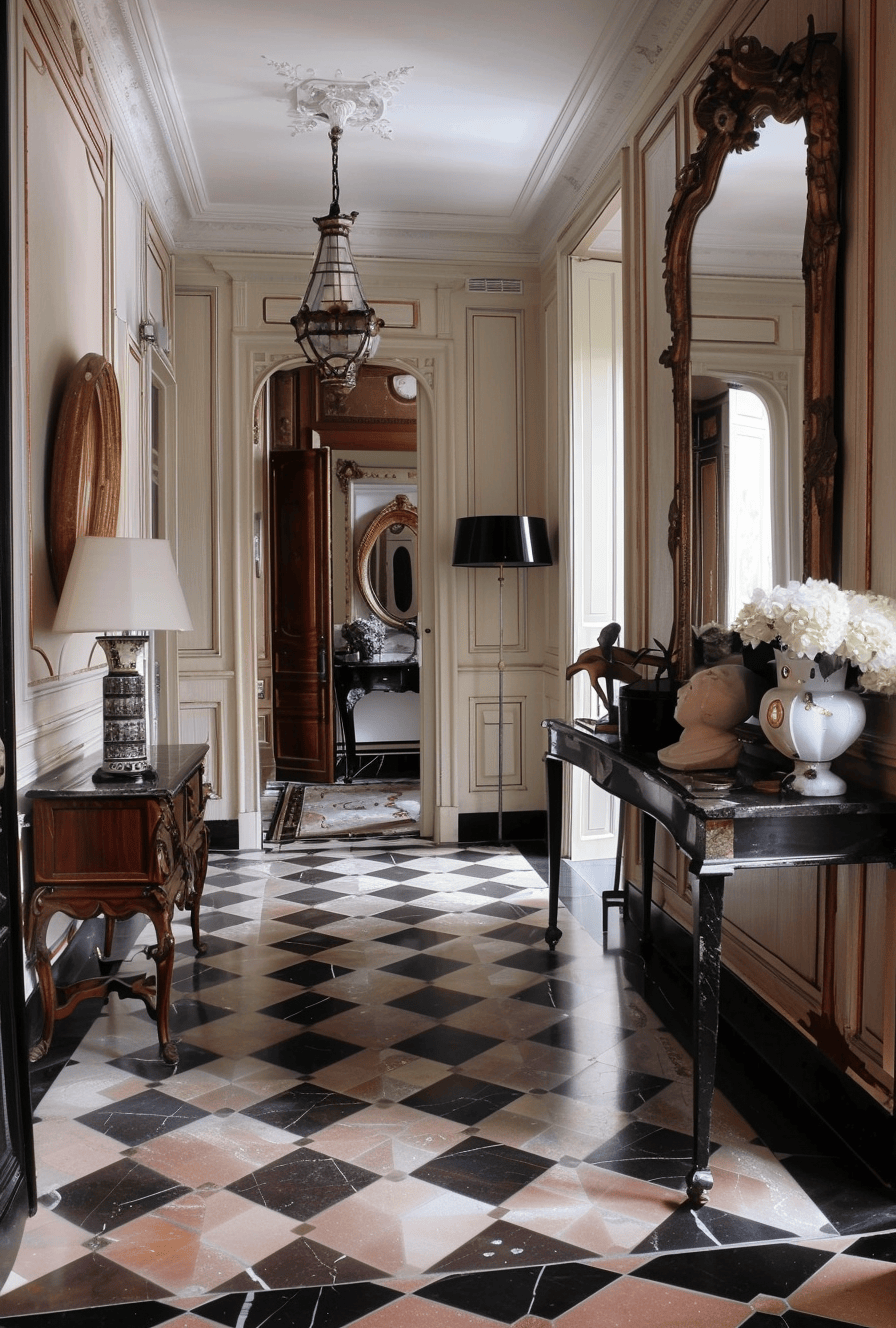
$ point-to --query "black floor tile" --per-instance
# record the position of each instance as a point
(710, 1227)
(310, 943)
(304, 1263)
(511, 1294)
(415, 938)
(521, 933)
(647, 1152)
(851, 1199)
(304, 1109)
(876, 1247)
(320, 1307)
(626, 1090)
(503, 1245)
(105, 1199)
(738, 1274)
(451, 1046)
(484, 1170)
(311, 918)
(398, 874)
(214, 945)
(506, 909)
(410, 914)
(139, 1314)
(557, 993)
(310, 876)
(79, 1286)
(491, 889)
(424, 967)
(307, 1053)
(223, 898)
(309, 1007)
(309, 973)
(144, 1116)
(316, 893)
(462, 1099)
(198, 977)
(403, 893)
(436, 1002)
(188, 1012)
(303, 1183)
(212, 920)
(148, 1064)
(539, 959)
(582, 1035)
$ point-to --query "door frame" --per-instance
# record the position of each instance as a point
(429, 360)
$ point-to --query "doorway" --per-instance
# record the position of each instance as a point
(333, 470)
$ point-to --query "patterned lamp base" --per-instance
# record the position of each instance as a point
(125, 751)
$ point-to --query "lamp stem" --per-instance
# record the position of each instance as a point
(500, 703)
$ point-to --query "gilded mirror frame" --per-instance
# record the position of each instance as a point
(400, 512)
(746, 84)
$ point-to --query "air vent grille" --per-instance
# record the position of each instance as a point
(495, 285)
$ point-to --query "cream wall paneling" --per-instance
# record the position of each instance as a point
(202, 719)
(199, 534)
(66, 284)
(485, 725)
(594, 535)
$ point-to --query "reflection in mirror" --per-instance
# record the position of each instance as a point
(750, 87)
(747, 295)
(391, 571)
(387, 562)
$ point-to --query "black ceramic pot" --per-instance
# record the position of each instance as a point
(647, 715)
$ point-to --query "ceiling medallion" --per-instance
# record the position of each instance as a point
(349, 103)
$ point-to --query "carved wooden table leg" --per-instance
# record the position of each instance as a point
(162, 954)
(195, 894)
(35, 939)
(648, 845)
(553, 770)
(707, 896)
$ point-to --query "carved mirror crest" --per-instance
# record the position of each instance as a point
(747, 85)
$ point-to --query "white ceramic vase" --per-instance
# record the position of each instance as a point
(812, 720)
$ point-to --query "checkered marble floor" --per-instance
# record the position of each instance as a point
(395, 1106)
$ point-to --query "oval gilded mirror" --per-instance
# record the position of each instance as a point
(387, 562)
(747, 86)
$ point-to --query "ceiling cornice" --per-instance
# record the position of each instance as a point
(128, 52)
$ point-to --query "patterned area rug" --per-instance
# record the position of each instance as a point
(328, 811)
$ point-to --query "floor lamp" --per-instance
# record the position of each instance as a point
(501, 541)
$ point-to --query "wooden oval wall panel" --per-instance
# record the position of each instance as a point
(85, 481)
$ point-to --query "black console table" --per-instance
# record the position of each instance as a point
(718, 832)
(353, 680)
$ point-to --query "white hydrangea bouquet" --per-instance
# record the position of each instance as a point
(833, 626)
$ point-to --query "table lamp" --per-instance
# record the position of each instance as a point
(501, 541)
(121, 589)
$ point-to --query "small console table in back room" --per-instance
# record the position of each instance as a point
(718, 833)
(117, 849)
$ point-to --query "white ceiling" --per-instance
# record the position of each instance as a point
(510, 111)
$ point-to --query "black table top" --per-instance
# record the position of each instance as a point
(768, 828)
(173, 765)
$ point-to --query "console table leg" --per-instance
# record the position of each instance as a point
(707, 894)
(553, 771)
(648, 844)
(162, 954)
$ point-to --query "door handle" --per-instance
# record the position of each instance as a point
(322, 660)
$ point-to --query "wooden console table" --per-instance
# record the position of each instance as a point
(353, 681)
(118, 850)
(718, 832)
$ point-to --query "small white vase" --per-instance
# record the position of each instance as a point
(812, 720)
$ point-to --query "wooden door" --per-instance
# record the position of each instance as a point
(302, 616)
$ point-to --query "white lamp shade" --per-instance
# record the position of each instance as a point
(121, 585)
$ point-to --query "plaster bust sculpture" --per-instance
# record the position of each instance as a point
(709, 706)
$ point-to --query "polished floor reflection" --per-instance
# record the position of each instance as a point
(395, 1106)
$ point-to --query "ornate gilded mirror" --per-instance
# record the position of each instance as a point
(747, 86)
(387, 562)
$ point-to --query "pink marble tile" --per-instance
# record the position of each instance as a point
(859, 1291)
(171, 1255)
(634, 1303)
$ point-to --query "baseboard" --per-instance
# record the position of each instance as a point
(760, 1051)
(223, 835)
(482, 827)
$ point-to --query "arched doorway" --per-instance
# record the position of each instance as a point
(330, 465)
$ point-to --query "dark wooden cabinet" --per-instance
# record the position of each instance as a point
(117, 850)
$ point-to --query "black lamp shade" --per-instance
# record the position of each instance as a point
(495, 541)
